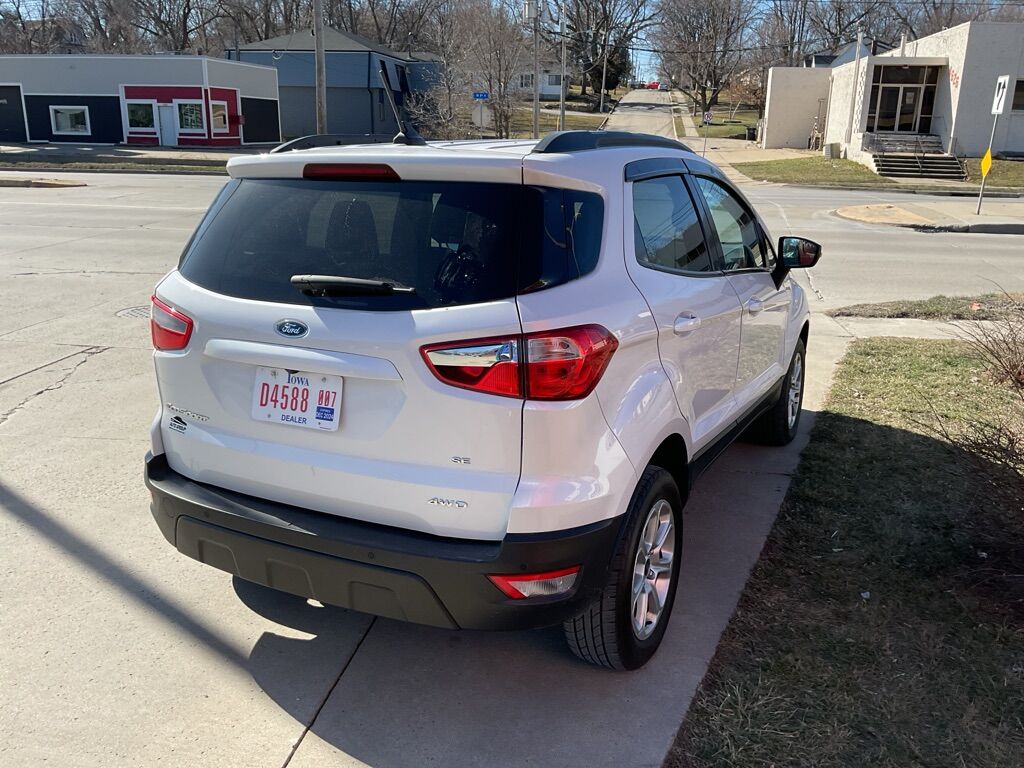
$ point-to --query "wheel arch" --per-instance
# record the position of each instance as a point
(672, 456)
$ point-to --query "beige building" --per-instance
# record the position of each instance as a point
(911, 110)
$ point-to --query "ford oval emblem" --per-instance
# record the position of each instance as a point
(293, 329)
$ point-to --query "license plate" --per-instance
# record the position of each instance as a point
(297, 398)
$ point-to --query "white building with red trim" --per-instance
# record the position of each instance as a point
(158, 100)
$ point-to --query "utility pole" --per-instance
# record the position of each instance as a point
(561, 97)
(320, 67)
(532, 13)
(604, 69)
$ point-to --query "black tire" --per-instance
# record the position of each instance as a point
(774, 427)
(603, 633)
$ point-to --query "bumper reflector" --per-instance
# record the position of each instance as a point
(519, 586)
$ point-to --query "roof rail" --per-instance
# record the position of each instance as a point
(330, 140)
(581, 141)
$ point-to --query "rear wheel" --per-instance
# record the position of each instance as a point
(623, 627)
(778, 426)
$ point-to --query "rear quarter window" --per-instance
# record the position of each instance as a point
(452, 242)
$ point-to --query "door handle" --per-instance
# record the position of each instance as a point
(754, 306)
(685, 323)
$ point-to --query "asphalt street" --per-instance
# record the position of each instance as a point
(119, 651)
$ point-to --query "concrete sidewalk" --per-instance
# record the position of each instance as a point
(954, 215)
(11, 154)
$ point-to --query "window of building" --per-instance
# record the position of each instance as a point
(141, 115)
(70, 121)
(555, 80)
(1018, 97)
(190, 117)
(526, 81)
(666, 229)
(737, 229)
(219, 116)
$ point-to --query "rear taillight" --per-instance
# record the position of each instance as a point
(519, 586)
(565, 364)
(483, 365)
(169, 328)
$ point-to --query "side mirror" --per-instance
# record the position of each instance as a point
(798, 252)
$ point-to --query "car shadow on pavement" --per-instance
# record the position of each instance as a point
(409, 695)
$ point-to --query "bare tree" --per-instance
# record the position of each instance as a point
(703, 41)
(440, 111)
(497, 42)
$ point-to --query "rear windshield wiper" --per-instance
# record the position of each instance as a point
(339, 285)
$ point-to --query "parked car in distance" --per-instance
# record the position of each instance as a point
(653, 85)
(454, 398)
(662, 86)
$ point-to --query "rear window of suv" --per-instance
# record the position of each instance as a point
(452, 242)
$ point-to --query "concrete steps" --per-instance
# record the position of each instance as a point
(925, 166)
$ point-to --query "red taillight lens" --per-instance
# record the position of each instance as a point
(169, 328)
(565, 364)
(483, 365)
(519, 586)
(350, 171)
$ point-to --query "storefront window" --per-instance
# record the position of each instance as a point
(219, 116)
(141, 115)
(70, 120)
(190, 116)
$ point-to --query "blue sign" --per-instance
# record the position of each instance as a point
(481, 95)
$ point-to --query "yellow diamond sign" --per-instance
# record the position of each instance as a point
(986, 163)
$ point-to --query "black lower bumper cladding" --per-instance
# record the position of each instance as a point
(375, 569)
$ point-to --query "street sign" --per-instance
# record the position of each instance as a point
(986, 163)
(481, 95)
(708, 118)
(999, 100)
(998, 103)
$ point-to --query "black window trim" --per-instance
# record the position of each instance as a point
(702, 220)
(695, 192)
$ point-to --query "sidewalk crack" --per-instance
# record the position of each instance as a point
(327, 696)
(86, 354)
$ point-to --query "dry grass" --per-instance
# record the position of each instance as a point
(876, 629)
(814, 171)
(989, 306)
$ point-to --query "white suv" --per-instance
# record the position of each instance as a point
(469, 384)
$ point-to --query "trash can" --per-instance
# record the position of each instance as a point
(751, 133)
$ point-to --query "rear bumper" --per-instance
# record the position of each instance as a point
(375, 569)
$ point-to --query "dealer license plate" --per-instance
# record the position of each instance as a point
(297, 398)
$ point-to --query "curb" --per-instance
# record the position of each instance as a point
(41, 183)
(154, 172)
(886, 190)
(984, 228)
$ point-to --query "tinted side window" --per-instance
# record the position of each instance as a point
(666, 228)
(571, 239)
(737, 229)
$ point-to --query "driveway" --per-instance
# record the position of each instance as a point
(117, 650)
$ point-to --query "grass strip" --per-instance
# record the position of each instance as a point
(989, 306)
(882, 625)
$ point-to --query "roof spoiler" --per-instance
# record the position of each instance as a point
(581, 141)
(330, 140)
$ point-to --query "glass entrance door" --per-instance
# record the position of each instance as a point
(898, 108)
(902, 99)
(888, 106)
(910, 102)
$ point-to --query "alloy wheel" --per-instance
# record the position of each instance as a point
(652, 569)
